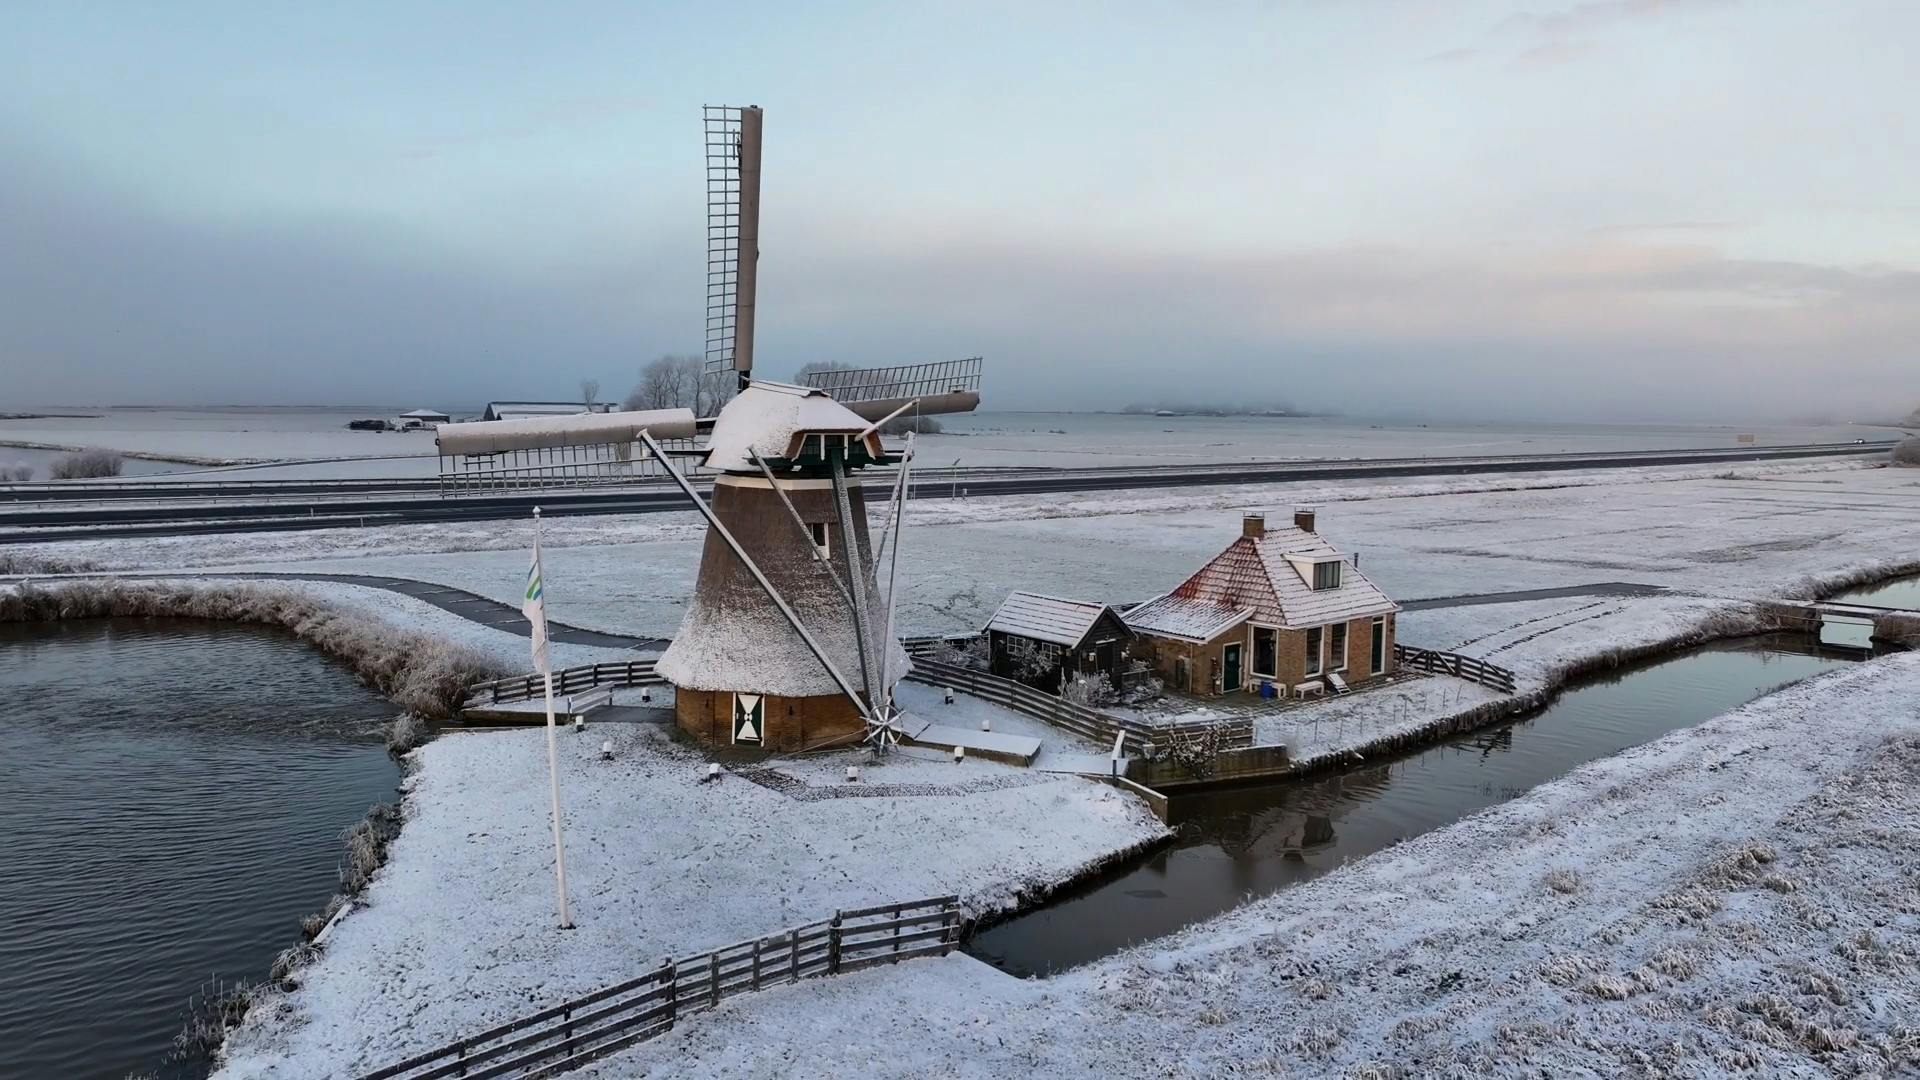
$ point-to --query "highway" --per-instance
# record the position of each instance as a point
(31, 513)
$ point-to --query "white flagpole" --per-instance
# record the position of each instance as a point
(553, 749)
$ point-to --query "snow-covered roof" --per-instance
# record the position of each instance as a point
(1271, 575)
(577, 429)
(424, 414)
(734, 639)
(1047, 618)
(1191, 620)
(764, 419)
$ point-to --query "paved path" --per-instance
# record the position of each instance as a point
(470, 606)
(1604, 588)
(488, 612)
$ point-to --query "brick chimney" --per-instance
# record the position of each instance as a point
(1254, 525)
(1303, 518)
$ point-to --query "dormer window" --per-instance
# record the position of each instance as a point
(1326, 575)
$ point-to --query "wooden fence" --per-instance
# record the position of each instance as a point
(576, 1032)
(566, 681)
(1090, 724)
(1491, 676)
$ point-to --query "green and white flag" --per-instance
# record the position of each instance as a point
(534, 607)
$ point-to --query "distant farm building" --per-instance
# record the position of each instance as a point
(522, 410)
(1279, 611)
(1039, 640)
(427, 416)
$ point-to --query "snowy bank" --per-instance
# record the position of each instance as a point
(457, 929)
(1736, 897)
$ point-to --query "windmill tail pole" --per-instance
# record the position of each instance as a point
(773, 594)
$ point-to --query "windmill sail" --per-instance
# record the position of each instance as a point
(733, 237)
(945, 386)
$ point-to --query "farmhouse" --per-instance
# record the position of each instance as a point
(1038, 640)
(1278, 611)
(424, 417)
(521, 410)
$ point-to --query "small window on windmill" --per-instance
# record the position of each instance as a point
(818, 531)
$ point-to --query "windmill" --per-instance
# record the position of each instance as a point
(788, 642)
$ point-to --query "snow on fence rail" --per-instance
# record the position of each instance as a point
(1090, 724)
(1491, 676)
(565, 681)
(576, 1032)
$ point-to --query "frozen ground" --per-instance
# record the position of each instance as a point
(456, 932)
(1750, 532)
(983, 439)
(1736, 898)
(223, 434)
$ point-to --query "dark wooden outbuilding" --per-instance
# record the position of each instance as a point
(1040, 640)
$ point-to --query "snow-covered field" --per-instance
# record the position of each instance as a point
(1736, 898)
(1755, 533)
(981, 440)
(457, 931)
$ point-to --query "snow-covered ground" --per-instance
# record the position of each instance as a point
(1742, 897)
(1759, 532)
(981, 440)
(457, 934)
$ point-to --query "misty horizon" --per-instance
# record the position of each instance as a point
(1594, 212)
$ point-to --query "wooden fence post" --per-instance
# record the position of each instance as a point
(794, 940)
(833, 945)
(672, 976)
(713, 976)
(757, 942)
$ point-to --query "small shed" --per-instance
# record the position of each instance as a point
(1039, 640)
(427, 416)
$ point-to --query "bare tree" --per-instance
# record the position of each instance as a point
(590, 392)
(667, 383)
(714, 390)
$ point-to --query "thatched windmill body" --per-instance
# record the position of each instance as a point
(788, 497)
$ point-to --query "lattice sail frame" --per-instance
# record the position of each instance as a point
(733, 220)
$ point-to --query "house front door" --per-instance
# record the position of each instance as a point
(1230, 668)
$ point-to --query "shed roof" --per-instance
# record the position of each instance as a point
(1189, 620)
(1256, 573)
(1048, 618)
(424, 413)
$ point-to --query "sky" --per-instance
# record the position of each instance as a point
(1599, 210)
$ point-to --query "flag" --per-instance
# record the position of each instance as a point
(534, 607)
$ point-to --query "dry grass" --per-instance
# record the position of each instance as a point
(86, 464)
(1906, 453)
(22, 562)
(423, 674)
(1904, 629)
(18, 471)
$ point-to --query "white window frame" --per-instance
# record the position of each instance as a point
(822, 539)
(1338, 663)
(1253, 650)
(1338, 573)
(1378, 646)
(1316, 649)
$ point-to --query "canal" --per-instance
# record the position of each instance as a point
(175, 794)
(1238, 844)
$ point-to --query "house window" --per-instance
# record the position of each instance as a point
(1313, 650)
(1337, 647)
(1326, 575)
(1266, 649)
(1379, 644)
(818, 532)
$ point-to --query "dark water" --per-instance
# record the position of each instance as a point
(174, 794)
(1238, 844)
(1898, 593)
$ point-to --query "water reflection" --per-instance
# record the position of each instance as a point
(1236, 844)
(175, 793)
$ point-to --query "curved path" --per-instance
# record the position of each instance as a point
(489, 612)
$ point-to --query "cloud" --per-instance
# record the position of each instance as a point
(105, 300)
